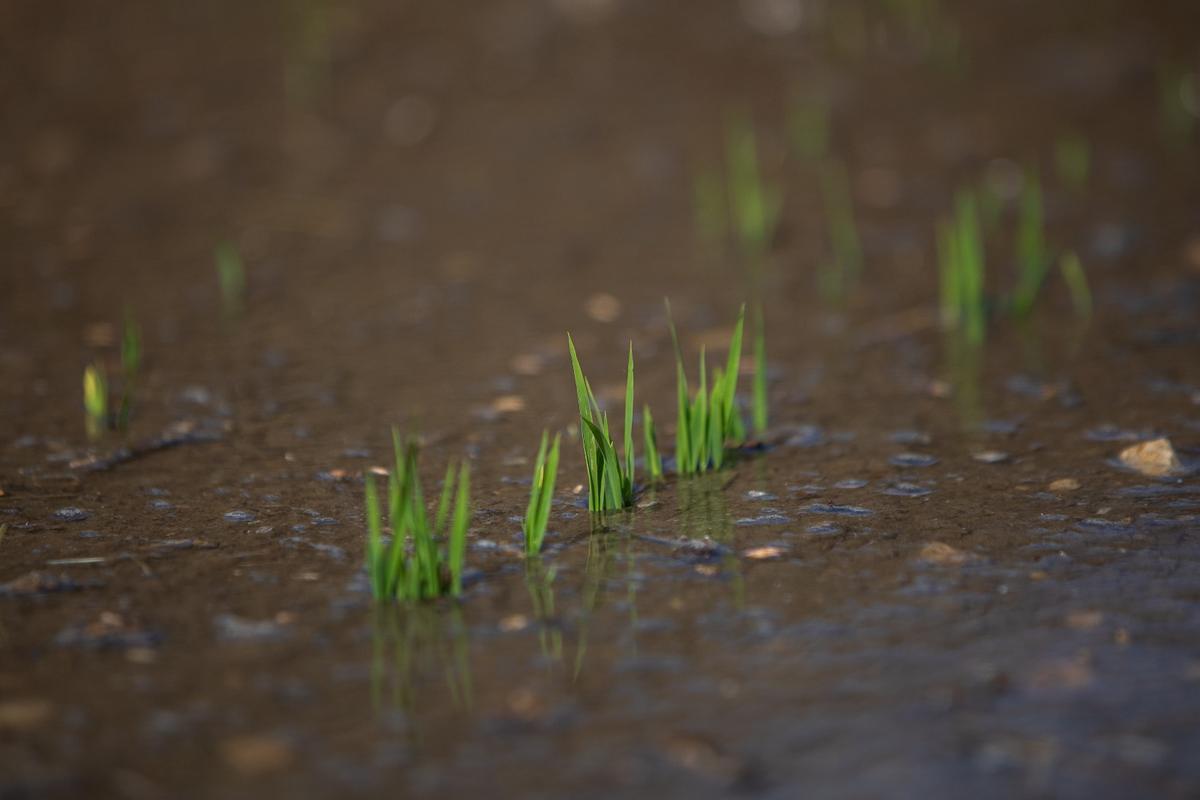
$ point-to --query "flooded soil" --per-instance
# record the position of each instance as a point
(931, 577)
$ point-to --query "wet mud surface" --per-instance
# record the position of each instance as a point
(933, 577)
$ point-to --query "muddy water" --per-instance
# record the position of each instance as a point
(931, 581)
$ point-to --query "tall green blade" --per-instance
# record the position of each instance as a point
(374, 561)
(458, 530)
(627, 477)
(760, 373)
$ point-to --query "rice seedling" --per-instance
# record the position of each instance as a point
(1073, 160)
(95, 400)
(760, 372)
(1033, 258)
(961, 266)
(837, 277)
(710, 421)
(754, 205)
(537, 514)
(654, 463)
(131, 363)
(1179, 103)
(413, 566)
(1077, 284)
(231, 277)
(809, 126)
(610, 479)
(709, 207)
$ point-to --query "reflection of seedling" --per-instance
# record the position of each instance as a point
(1077, 283)
(407, 642)
(231, 276)
(610, 479)
(131, 362)
(1073, 160)
(95, 400)
(808, 124)
(539, 580)
(760, 373)
(838, 276)
(1179, 103)
(707, 423)
(1033, 259)
(709, 207)
(755, 206)
(537, 514)
(424, 571)
(653, 456)
(961, 264)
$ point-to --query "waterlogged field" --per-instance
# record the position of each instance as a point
(897, 497)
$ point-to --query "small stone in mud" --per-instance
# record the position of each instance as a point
(764, 519)
(763, 553)
(1084, 620)
(237, 515)
(514, 622)
(906, 490)
(108, 631)
(32, 583)
(990, 457)
(603, 307)
(1155, 458)
(910, 437)
(1064, 485)
(824, 529)
(850, 483)
(912, 460)
(944, 555)
(757, 494)
(256, 754)
(232, 628)
(24, 713)
(71, 514)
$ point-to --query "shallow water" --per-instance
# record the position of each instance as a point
(932, 578)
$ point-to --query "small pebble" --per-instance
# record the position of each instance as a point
(238, 515)
(71, 514)
(912, 460)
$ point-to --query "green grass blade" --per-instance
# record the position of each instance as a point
(760, 373)
(650, 440)
(374, 560)
(627, 476)
(1077, 284)
(458, 530)
(732, 366)
(443, 507)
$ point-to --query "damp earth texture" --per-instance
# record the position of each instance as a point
(951, 546)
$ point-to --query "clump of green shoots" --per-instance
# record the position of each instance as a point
(537, 514)
(809, 126)
(1073, 160)
(837, 277)
(754, 205)
(760, 372)
(413, 565)
(131, 364)
(610, 479)
(1033, 257)
(961, 266)
(1077, 284)
(654, 464)
(709, 207)
(231, 277)
(1179, 103)
(95, 400)
(710, 421)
